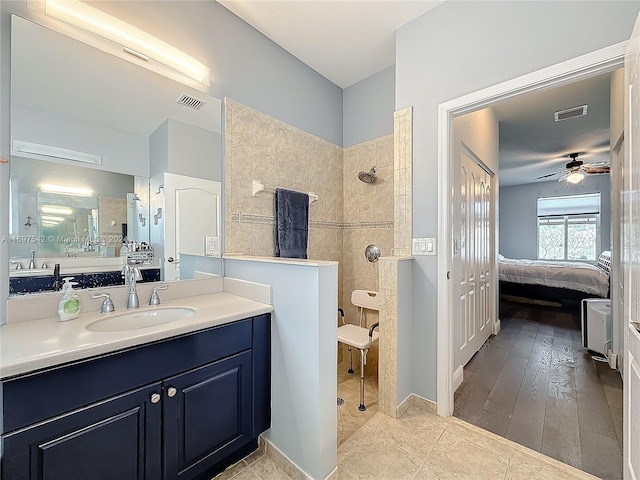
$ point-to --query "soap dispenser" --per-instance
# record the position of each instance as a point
(69, 306)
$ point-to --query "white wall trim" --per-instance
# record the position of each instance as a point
(578, 68)
(496, 327)
(458, 377)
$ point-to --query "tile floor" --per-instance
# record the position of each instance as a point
(350, 419)
(423, 446)
(418, 446)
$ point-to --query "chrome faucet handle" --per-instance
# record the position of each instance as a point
(18, 264)
(107, 305)
(155, 299)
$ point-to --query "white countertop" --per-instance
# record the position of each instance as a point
(37, 344)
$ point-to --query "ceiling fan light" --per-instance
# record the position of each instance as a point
(575, 177)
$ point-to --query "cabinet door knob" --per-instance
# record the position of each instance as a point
(155, 397)
(171, 391)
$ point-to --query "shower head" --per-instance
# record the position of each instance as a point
(368, 177)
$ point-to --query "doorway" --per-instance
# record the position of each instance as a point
(577, 69)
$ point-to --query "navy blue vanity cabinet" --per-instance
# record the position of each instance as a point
(115, 439)
(181, 408)
(207, 414)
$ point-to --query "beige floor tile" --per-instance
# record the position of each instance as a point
(253, 457)
(416, 412)
(246, 474)
(343, 475)
(491, 442)
(353, 443)
(414, 434)
(266, 469)
(456, 455)
(515, 471)
(548, 467)
(378, 458)
(429, 472)
(232, 470)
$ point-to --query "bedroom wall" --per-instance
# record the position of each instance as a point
(518, 213)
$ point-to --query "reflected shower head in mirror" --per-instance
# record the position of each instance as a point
(368, 177)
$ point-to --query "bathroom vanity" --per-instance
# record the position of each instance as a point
(181, 401)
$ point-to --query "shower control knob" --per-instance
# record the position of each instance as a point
(170, 260)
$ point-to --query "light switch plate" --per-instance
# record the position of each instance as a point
(423, 246)
(211, 246)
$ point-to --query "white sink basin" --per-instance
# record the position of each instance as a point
(140, 319)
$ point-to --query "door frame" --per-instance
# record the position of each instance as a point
(578, 68)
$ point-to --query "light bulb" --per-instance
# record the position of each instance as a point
(575, 177)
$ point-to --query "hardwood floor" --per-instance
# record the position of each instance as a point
(535, 384)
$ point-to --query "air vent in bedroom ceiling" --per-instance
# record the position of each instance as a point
(580, 111)
(190, 101)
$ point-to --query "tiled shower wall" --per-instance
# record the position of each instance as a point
(349, 215)
(368, 219)
(258, 147)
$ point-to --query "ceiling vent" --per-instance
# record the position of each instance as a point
(190, 101)
(580, 111)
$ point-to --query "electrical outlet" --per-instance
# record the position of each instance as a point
(211, 246)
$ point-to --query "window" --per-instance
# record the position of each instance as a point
(569, 227)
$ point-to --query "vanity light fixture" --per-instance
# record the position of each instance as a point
(55, 152)
(66, 190)
(56, 210)
(133, 40)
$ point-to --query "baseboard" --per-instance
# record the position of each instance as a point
(404, 406)
(496, 327)
(423, 403)
(458, 376)
(286, 464)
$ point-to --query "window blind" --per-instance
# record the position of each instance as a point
(569, 205)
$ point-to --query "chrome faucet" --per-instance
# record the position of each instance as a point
(131, 275)
(155, 299)
(32, 261)
(107, 305)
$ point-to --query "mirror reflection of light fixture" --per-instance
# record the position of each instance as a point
(55, 152)
(56, 210)
(575, 177)
(133, 40)
(66, 190)
(51, 218)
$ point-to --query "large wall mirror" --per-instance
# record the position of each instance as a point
(88, 130)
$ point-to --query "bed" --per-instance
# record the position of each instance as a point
(553, 281)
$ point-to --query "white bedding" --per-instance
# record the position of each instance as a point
(578, 276)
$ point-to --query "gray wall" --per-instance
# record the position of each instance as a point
(368, 108)
(122, 152)
(519, 215)
(458, 48)
(245, 66)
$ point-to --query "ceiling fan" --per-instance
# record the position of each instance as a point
(575, 170)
